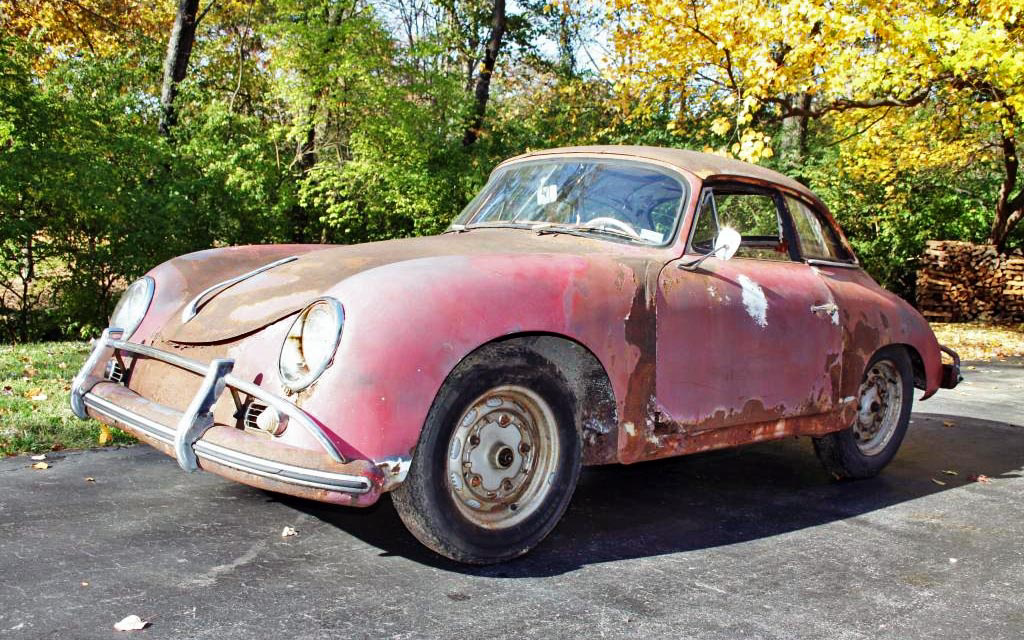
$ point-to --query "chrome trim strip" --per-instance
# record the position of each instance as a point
(241, 461)
(192, 308)
(817, 262)
(267, 398)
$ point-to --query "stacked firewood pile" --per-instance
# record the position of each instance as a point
(960, 281)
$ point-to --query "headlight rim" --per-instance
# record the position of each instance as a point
(128, 330)
(304, 382)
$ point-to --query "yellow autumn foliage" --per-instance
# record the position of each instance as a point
(903, 82)
(100, 27)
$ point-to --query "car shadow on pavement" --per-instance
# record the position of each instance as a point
(717, 498)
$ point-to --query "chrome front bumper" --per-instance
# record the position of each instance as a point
(186, 437)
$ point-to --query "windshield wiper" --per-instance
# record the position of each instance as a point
(612, 232)
(461, 228)
(584, 230)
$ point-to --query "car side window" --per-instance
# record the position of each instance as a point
(816, 236)
(754, 214)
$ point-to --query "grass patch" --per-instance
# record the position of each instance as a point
(981, 340)
(35, 417)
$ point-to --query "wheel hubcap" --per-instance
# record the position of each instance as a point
(881, 401)
(501, 455)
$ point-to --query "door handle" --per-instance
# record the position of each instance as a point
(829, 308)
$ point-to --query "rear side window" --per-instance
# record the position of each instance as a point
(817, 238)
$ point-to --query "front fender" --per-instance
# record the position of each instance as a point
(409, 324)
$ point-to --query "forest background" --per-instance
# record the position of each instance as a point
(132, 131)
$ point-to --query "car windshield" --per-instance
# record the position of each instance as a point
(631, 200)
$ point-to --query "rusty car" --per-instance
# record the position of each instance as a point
(591, 305)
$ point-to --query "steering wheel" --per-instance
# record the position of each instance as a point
(615, 223)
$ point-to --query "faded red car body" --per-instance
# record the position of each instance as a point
(684, 364)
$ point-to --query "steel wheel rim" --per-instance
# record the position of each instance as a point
(502, 457)
(881, 402)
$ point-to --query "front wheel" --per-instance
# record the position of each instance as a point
(869, 444)
(496, 464)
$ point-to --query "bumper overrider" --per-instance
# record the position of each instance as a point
(950, 371)
(196, 441)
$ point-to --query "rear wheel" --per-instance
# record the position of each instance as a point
(885, 400)
(497, 462)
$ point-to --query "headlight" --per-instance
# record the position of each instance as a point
(132, 306)
(310, 344)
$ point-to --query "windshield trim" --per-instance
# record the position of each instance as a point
(679, 174)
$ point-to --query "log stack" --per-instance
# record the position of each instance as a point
(961, 281)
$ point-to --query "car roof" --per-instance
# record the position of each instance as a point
(702, 165)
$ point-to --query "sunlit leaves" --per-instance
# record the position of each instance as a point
(745, 63)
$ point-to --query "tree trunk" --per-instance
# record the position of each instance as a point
(483, 81)
(794, 133)
(179, 50)
(28, 274)
(305, 160)
(566, 55)
(306, 149)
(1009, 210)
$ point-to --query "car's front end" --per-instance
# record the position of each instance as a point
(234, 396)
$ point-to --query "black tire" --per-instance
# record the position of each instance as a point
(426, 501)
(846, 454)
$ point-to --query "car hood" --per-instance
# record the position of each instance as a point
(276, 293)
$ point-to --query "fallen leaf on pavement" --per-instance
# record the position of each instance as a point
(288, 531)
(131, 623)
(90, 479)
(950, 472)
(105, 435)
(980, 479)
(41, 456)
(948, 423)
(39, 466)
(939, 482)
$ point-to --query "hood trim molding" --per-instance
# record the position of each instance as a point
(191, 309)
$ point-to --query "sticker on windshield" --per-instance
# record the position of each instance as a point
(547, 194)
(652, 236)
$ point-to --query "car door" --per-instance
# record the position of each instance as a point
(750, 339)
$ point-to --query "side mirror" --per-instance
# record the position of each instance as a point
(726, 243)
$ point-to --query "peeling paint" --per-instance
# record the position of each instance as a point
(754, 300)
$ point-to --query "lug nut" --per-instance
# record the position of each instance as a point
(503, 420)
(474, 481)
(474, 439)
(524, 447)
(506, 485)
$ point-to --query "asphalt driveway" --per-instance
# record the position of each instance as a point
(749, 543)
